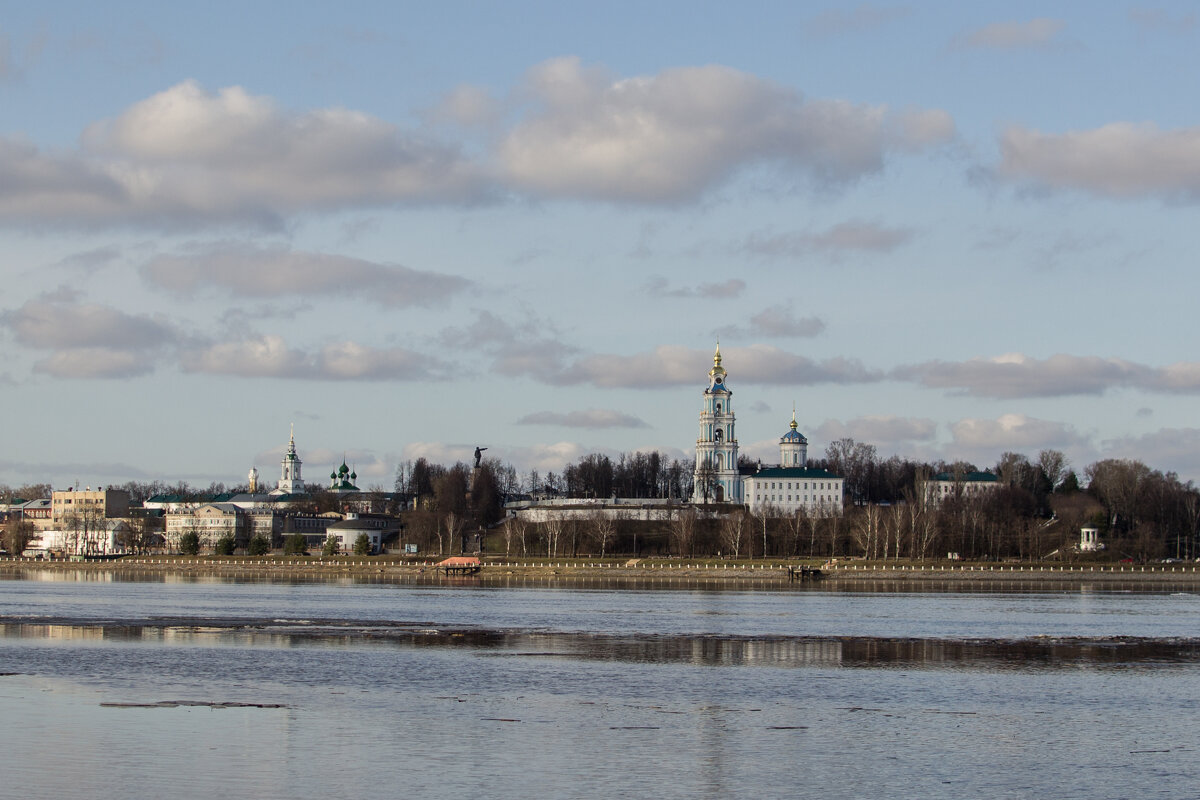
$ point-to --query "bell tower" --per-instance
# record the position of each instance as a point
(290, 481)
(716, 478)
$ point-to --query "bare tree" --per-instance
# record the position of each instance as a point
(763, 516)
(451, 529)
(706, 479)
(922, 519)
(854, 461)
(868, 530)
(553, 529)
(733, 527)
(814, 522)
(894, 529)
(1054, 466)
(515, 528)
(18, 533)
(793, 527)
(683, 531)
(603, 529)
(1115, 483)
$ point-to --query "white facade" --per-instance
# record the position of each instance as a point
(969, 484)
(793, 447)
(716, 479)
(290, 481)
(102, 539)
(792, 485)
(788, 489)
(210, 522)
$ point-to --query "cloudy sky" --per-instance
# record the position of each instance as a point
(947, 229)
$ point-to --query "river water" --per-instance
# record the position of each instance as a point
(195, 688)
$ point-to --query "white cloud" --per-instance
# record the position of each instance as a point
(884, 431)
(254, 271)
(1036, 33)
(468, 105)
(1120, 159)
(1016, 375)
(671, 365)
(187, 155)
(844, 237)
(670, 137)
(269, 356)
(916, 129)
(1172, 449)
(53, 323)
(190, 157)
(1016, 432)
(592, 418)
(89, 340)
(777, 321)
(1181, 378)
(96, 363)
(91, 261)
(528, 347)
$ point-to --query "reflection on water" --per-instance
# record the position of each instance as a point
(311, 691)
(664, 583)
(843, 651)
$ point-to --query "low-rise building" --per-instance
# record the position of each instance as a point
(71, 507)
(37, 513)
(945, 485)
(211, 522)
(788, 489)
(378, 529)
(793, 485)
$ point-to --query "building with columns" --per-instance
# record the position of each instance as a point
(716, 478)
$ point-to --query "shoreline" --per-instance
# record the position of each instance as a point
(569, 571)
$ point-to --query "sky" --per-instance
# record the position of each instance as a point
(949, 230)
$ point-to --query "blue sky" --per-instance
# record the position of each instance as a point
(950, 230)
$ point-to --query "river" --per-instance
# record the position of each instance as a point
(205, 687)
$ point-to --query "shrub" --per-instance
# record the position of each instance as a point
(295, 545)
(259, 545)
(225, 545)
(189, 543)
(333, 546)
(362, 545)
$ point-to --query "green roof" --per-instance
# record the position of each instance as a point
(967, 477)
(811, 473)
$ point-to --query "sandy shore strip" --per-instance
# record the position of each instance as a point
(567, 570)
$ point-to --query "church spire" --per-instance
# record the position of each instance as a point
(716, 375)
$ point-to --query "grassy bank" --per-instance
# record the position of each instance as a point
(543, 569)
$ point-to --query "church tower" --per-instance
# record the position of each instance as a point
(793, 447)
(716, 478)
(290, 481)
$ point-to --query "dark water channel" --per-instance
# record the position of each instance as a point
(206, 688)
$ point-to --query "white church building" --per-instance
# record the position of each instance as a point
(785, 488)
(716, 478)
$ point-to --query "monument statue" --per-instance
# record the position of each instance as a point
(478, 455)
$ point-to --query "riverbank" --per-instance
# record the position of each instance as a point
(570, 570)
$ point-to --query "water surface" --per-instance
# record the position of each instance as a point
(312, 690)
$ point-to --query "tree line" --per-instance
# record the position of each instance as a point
(1034, 512)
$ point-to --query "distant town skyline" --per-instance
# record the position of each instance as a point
(948, 230)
